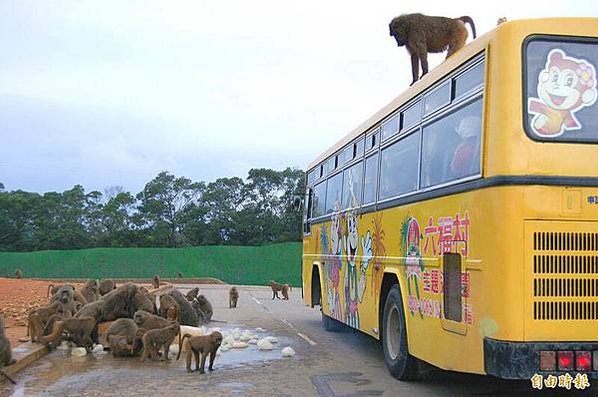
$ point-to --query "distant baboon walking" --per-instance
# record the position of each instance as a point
(18, 274)
(278, 287)
(233, 297)
(156, 282)
(203, 345)
(422, 34)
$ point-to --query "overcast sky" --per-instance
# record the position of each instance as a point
(108, 93)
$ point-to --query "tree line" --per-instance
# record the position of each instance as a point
(170, 211)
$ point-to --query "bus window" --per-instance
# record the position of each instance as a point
(390, 127)
(333, 193)
(319, 199)
(352, 180)
(412, 115)
(451, 146)
(469, 80)
(560, 89)
(438, 98)
(371, 179)
(398, 170)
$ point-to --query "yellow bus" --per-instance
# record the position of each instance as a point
(459, 224)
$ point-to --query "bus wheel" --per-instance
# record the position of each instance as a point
(400, 363)
(332, 325)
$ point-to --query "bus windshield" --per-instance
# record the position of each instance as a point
(560, 89)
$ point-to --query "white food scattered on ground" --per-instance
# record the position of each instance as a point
(288, 352)
(264, 344)
(78, 352)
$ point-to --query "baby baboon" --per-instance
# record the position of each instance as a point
(38, 318)
(192, 294)
(122, 338)
(203, 308)
(91, 291)
(166, 302)
(5, 350)
(283, 288)
(156, 282)
(18, 274)
(204, 345)
(106, 285)
(156, 338)
(79, 332)
(233, 297)
(422, 34)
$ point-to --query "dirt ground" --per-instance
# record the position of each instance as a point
(17, 299)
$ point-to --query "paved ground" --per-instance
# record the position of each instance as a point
(326, 364)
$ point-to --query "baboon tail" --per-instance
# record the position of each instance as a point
(468, 20)
(50, 286)
(181, 344)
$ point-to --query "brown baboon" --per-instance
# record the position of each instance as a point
(422, 34)
(188, 313)
(18, 274)
(204, 345)
(156, 281)
(203, 308)
(38, 318)
(79, 331)
(106, 285)
(180, 275)
(173, 313)
(233, 297)
(283, 288)
(71, 299)
(122, 338)
(5, 350)
(122, 302)
(149, 321)
(166, 302)
(156, 338)
(192, 294)
(91, 291)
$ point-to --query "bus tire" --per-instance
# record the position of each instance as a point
(332, 325)
(399, 362)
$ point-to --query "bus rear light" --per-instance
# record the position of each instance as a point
(547, 360)
(583, 361)
(565, 360)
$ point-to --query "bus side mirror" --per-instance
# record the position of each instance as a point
(297, 203)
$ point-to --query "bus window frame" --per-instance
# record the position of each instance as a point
(524, 88)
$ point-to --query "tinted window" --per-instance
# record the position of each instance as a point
(390, 127)
(398, 169)
(412, 115)
(352, 181)
(469, 80)
(319, 199)
(561, 92)
(333, 193)
(311, 177)
(360, 145)
(371, 179)
(437, 98)
(372, 141)
(451, 146)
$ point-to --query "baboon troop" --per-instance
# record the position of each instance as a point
(423, 34)
(161, 337)
(201, 345)
(282, 288)
(233, 297)
(18, 274)
(156, 282)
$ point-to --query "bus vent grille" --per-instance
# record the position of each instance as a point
(566, 287)
(555, 241)
(566, 310)
(570, 264)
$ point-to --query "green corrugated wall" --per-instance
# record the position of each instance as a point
(232, 264)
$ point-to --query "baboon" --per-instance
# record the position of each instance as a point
(422, 34)
(5, 349)
(149, 321)
(233, 297)
(204, 345)
(122, 302)
(180, 275)
(151, 296)
(203, 308)
(122, 338)
(501, 20)
(18, 274)
(79, 331)
(106, 285)
(156, 282)
(166, 302)
(283, 288)
(156, 338)
(192, 294)
(37, 319)
(188, 313)
(173, 313)
(71, 299)
(91, 291)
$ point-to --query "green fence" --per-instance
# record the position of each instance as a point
(232, 264)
